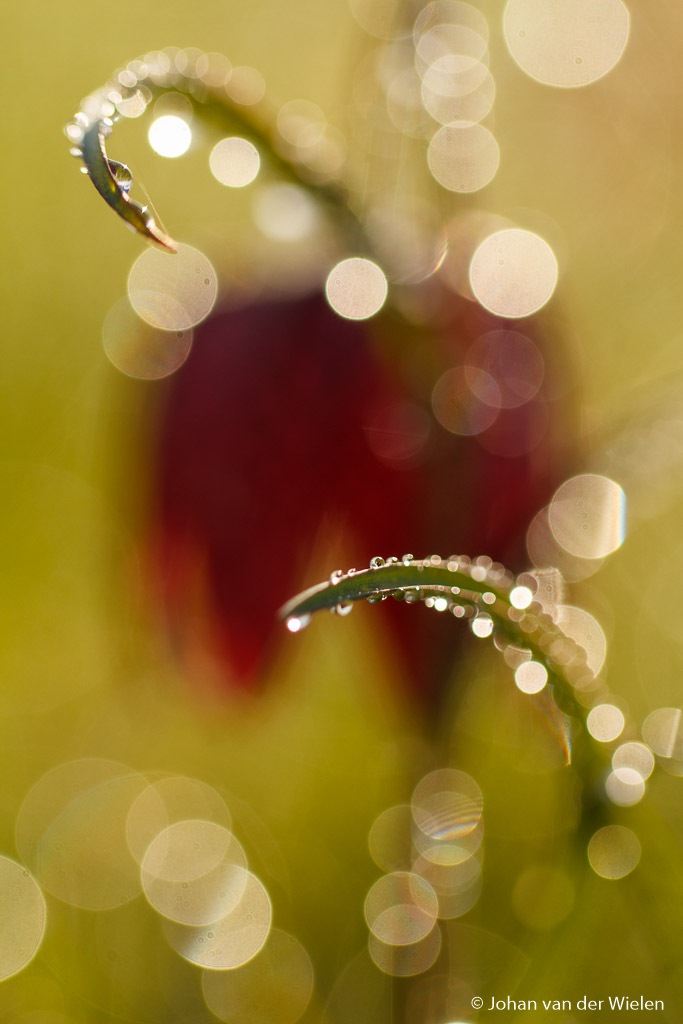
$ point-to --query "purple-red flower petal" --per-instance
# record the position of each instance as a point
(286, 418)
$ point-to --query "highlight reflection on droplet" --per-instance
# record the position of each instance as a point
(22, 917)
(513, 273)
(173, 292)
(587, 515)
(567, 43)
(613, 851)
(170, 136)
(356, 288)
(463, 157)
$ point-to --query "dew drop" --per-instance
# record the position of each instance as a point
(482, 625)
(336, 576)
(377, 562)
(295, 623)
(521, 597)
(343, 608)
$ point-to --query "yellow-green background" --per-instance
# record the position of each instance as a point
(83, 671)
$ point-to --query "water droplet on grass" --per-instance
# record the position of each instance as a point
(295, 623)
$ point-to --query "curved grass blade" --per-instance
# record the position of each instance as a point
(484, 593)
(143, 80)
(113, 181)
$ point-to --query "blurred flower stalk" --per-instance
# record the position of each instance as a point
(402, 385)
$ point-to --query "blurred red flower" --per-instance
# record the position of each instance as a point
(287, 419)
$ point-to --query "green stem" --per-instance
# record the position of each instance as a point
(92, 125)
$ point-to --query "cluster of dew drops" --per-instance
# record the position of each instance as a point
(520, 600)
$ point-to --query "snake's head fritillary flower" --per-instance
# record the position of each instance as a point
(290, 425)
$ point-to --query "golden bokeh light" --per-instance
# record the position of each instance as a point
(389, 839)
(636, 756)
(605, 722)
(173, 292)
(401, 908)
(356, 288)
(566, 43)
(194, 872)
(584, 628)
(234, 162)
(513, 273)
(377, 19)
(587, 516)
(139, 350)
(234, 939)
(167, 800)
(531, 677)
(448, 95)
(544, 549)
(285, 213)
(275, 987)
(625, 787)
(457, 884)
(409, 960)
(613, 851)
(170, 136)
(71, 830)
(447, 805)
(463, 156)
(23, 917)
(246, 86)
(663, 732)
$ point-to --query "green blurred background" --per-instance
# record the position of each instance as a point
(84, 671)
